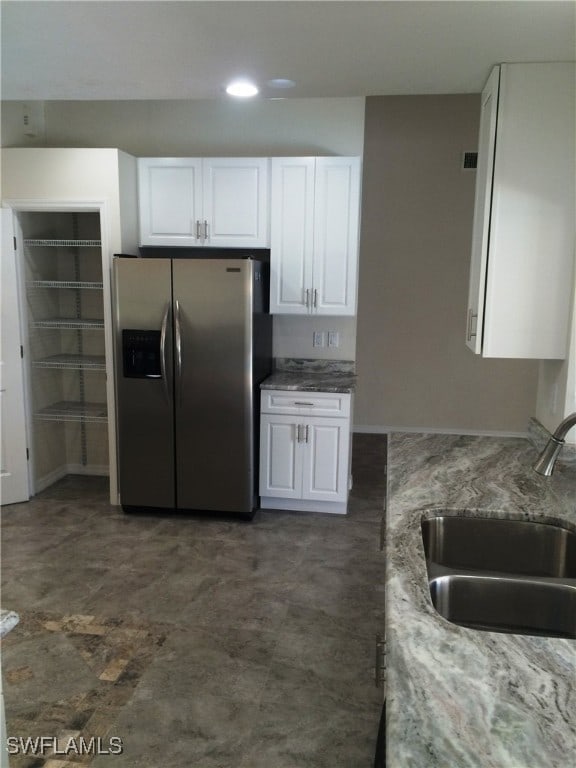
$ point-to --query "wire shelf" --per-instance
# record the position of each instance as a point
(67, 410)
(69, 323)
(64, 284)
(73, 362)
(57, 243)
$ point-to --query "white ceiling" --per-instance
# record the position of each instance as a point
(188, 50)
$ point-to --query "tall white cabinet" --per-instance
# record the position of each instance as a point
(72, 209)
(204, 202)
(521, 276)
(315, 219)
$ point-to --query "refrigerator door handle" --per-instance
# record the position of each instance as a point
(178, 340)
(163, 332)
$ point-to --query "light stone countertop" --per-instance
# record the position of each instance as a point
(305, 375)
(310, 382)
(457, 697)
(8, 620)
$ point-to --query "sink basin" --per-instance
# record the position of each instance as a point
(519, 606)
(502, 575)
(506, 546)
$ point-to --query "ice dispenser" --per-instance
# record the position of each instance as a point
(141, 354)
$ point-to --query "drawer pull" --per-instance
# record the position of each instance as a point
(471, 317)
(309, 405)
(380, 666)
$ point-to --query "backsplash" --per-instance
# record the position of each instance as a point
(304, 365)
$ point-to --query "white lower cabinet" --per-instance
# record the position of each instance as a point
(304, 457)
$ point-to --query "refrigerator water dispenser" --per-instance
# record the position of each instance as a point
(141, 354)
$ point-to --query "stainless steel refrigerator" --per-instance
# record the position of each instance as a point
(193, 343)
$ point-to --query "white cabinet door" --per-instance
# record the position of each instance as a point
(204, 202)
(280, 457)
(526, 285)
(292, 234)
(483, 202)
(170, 201)
(336, 231)
(325, 468)
(235, 202)
(314, 235)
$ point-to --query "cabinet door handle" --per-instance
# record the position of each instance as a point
(315, 298)
(380, 665)
(197, 230)
(307, 430)
(383, 531)
(471, 317)
(307, 298)
(298, 437)
(205, 230)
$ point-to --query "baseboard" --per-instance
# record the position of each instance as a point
(300, 505)
(52, 477)
(385, 430)
(70, 469)
(102, 470)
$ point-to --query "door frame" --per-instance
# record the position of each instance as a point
(70, 206)
(17, 475)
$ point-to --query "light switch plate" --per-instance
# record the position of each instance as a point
(333, 339)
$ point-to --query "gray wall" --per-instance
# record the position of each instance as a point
(414, 370)
(210, 128)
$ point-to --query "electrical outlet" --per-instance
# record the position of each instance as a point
(33, 119)
(318, 339)
(333, 339)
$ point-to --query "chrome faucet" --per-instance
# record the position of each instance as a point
(547, 459)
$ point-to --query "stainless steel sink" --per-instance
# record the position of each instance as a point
(520, 606)
(502, 575)
(506, 546)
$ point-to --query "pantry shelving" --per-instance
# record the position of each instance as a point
(72, 362)
(72, 411)
(64, 284)
(67, 362)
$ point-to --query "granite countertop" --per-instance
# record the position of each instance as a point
(8, 620)
(312, 376)
(457, 697)
(310, 382)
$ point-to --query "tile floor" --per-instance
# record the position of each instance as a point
(201, 642)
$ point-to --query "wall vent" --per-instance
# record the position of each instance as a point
(469, 161)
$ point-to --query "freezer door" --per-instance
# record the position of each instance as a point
(213, 384)
(144, 381)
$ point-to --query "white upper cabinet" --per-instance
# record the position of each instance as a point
(315, 217)
(521, 277)
(215, 202)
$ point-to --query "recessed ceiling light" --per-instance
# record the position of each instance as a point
(243, 89)
(281, 82)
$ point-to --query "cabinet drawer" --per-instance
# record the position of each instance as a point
(306, 403)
